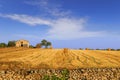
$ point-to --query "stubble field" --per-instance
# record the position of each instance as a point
(12, 58)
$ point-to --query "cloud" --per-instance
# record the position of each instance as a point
(53, 9)
(62, 25)
(70, 28)
(26, 19)
(27, 36)
(61, 28)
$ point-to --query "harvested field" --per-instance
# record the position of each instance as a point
(11, 58)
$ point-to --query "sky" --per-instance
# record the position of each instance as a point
(65, 23)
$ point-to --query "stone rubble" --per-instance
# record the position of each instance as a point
(74, 74)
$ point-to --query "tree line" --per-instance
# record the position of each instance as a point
(108, 49)
(9, 44)
(44, 43)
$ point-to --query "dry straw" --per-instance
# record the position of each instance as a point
(86, 48)
(65, 50)
(109, 49)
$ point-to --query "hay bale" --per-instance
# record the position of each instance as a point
(65, 50)
(109, 49)
(86, 48)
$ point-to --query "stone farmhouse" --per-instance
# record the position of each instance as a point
(22, 43)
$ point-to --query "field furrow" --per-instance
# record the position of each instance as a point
(56, 58)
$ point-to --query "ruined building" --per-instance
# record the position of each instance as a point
(22, 43)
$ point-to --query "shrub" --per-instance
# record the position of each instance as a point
(80, 49)
(11, 43)
(113, 50)
(97, 49)
(31, 46)
(54, 77)
(38, 45)
(65, 76)
(46, 77)
(2, 45)
(118, 49)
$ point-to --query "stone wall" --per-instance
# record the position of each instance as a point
(74, 74)
(22, 43)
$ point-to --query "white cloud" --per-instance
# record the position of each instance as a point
(69, 28)
(62, 28)
(27, 36)
(27, 19)
(53, 9)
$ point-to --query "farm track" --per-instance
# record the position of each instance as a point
(56, 58)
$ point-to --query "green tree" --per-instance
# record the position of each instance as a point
(3, 45)
(11, 43)
(48, 44)
(45, 43)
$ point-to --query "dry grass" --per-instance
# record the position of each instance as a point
(57, 58)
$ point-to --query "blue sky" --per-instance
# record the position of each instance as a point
(66, 23)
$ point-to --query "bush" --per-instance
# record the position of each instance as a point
(97, 49)
(38, 45)
(46, 77)
(31, 46)
(113, 50)
(2, 45)
(118, 49)
(11, 43)
(80, 49)
(65, 76)
(54, 77)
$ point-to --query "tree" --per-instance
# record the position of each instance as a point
(45, 43)
(118, 49)
(11, 43)
(48, 44)
(3, 45)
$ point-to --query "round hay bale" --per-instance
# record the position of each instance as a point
(86, 48)
(109, 49)
(65, 50)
